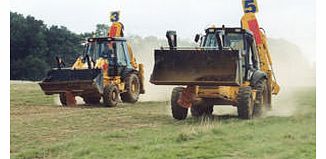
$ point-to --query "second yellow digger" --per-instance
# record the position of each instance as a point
(107, 70)
(231, 66)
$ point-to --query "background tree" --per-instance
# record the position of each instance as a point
(33, 47)
(101, 30)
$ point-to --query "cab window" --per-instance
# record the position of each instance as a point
(121, 56)
(234, 41)
(210, 41)
(252, 54)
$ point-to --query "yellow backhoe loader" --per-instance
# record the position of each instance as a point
(231, 66)
(107, 70)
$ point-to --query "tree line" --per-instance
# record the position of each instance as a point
(34, 45)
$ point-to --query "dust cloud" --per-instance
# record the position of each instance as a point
(293, 71)
(291, 68)
(284, 104)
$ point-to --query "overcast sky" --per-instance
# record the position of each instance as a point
(293, 20)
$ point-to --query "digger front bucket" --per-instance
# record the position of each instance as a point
(86, 81)
(197, 67)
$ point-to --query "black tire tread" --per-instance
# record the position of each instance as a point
(260, 102)
(127, 96)
(107, 95)
(244, 102)
(178, 112)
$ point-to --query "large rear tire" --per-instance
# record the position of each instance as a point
(132, 89)
(261, 100)
(202, 110)
(178, 112)
(245, 103)
(111, 95)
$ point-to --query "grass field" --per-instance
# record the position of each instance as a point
(42, 129)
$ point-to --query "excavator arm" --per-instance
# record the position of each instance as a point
(250, 22)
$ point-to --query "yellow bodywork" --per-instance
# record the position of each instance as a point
(229, 93)
(141, 71)
(222, 92)
(79, 64)
(265, 58)
(102, 63)
(115, 30)
(132, 57)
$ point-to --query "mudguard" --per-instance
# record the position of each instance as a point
(256, 76)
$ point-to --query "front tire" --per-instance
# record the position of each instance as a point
(245, 103)
(132, 83)
(178, 112)
(111, 95)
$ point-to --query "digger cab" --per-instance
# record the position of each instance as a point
(227, 38)
(113, 49)
(234, 39)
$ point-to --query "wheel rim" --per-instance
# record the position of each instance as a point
(114, 95)
(134, 87)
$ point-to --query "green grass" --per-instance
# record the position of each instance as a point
(41, 129)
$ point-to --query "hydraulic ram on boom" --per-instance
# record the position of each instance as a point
(250, 22)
